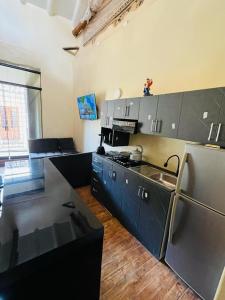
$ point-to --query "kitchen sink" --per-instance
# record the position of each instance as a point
(165, 179)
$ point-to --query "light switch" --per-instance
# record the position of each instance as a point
(149, 117)
(127, 181)
(173, 126)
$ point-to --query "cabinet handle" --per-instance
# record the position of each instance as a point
(172, 217)
(218, 132)
(128, 111)
(94, 190)
(114, 175)
(139, 191)
(210, 131)
(152, 126)
(158, 125)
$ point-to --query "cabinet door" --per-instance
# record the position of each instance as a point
(199, 115)
(220, 135)
(147, 114)
(132, 109)
(104, 109)
(117, 189)
(120, 109)
(154, 209)
(168, 114)
(131, 202)
(107, 182)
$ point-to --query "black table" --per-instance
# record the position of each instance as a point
(50, 243)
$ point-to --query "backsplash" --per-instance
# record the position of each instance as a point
(156, 149)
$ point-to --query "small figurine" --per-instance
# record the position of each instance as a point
(147, 85)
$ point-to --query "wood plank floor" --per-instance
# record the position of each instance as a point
(129, 271)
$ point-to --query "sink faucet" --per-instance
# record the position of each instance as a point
(178, 164)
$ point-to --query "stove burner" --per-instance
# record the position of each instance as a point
(125, 161)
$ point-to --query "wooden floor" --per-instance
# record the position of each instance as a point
(129, 271)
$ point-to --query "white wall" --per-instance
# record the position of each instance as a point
(29, 36)
(178, 43)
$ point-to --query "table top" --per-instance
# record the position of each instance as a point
(40, 212)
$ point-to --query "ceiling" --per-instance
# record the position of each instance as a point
(72, 10)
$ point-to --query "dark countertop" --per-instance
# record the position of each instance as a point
(40, 212)
(145, 170)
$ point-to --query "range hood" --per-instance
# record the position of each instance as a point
(125, 125)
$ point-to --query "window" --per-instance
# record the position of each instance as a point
(20, 108)
(14, 120)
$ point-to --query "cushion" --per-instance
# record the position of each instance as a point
(43, 145)
(66, 145)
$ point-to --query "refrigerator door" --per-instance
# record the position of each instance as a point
(196, 246)
(203, 176)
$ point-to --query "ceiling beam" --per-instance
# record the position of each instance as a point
(78, 12)
(51, 7)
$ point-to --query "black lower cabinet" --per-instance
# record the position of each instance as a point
(143, 207)
(131, 202)
(112, 178)
(153, 221)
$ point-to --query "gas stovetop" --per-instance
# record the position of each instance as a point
(125, 161)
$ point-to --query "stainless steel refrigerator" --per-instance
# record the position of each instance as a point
(196, 246)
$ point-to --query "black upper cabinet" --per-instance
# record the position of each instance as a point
(168, 114)
(197, 116)
(200, 115)
(127, 109)
(132, 110)
(120, 109)
(147, 114)
(107, 112)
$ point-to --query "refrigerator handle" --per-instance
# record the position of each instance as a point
(176, 197)
(210, 131)
(218, 132)
(184, 160)
(173, 213)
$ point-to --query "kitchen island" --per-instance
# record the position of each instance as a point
(50, 243)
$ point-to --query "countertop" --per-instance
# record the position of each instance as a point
(40, 212)
(146, 169)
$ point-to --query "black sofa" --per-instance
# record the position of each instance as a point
(51, 147)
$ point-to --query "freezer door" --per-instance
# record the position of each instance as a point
(203, 177)
(196, 249)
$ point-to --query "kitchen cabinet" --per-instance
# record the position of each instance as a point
(168, 114)
(142, 206)
(112, 178)
(107, 112)
(127, 109)
(97, 187)
(200, 115)
(220, 135)
(131, 202)
(147, 114)
(153, 222)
